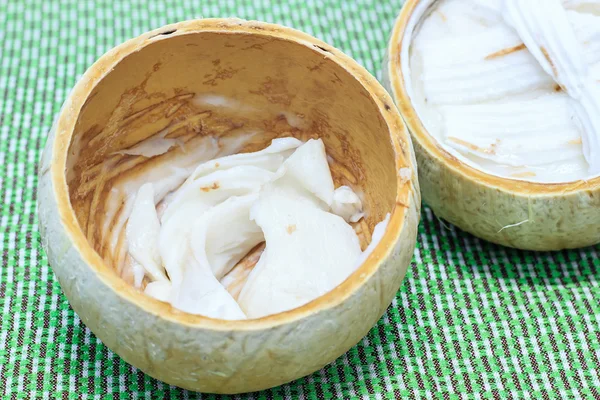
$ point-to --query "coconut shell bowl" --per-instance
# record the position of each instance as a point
(511, 212)
(236, 83)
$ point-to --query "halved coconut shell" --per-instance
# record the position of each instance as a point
(510, 212)
(286, 83)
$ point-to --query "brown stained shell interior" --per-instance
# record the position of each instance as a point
(156, 89)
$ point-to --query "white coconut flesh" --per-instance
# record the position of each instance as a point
(510, 87)
(240, 236)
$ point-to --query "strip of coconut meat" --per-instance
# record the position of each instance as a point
(494, 63)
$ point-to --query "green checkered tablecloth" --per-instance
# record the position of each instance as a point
(472, 320)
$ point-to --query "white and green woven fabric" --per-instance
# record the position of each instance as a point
(472, 320)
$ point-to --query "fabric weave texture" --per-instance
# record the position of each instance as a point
(472, 320)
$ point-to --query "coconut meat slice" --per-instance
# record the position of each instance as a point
(507, 132)
(197, 243)
(269, 158)
(493, 64)
(205, 192)
(199, 292)
(308, 252)
(484, 80)
(347, 204)
(142, 232)
(266, 160)
(307, 170)
(153, 146)
(550, 38)
(224, 234)
(492, 9)
(165, 177)
(160, 290)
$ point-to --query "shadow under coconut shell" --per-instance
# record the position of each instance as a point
(476, 258)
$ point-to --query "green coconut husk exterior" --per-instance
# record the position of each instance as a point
(192, 351)
(509, 212)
